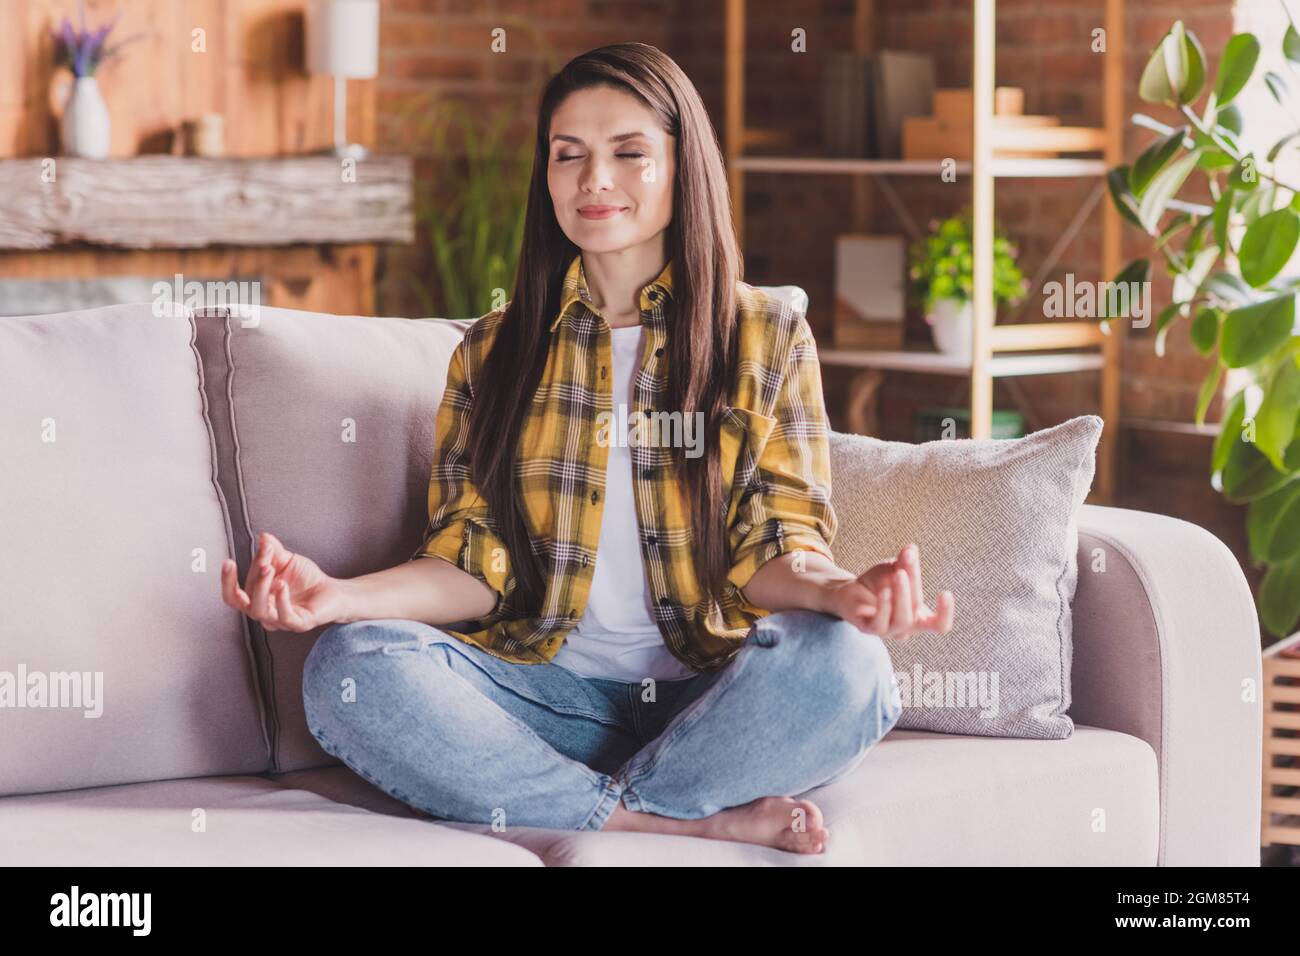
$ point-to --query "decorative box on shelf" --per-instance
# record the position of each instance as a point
(870, 277)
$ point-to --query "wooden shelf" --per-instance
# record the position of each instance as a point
(939, 363)
(186, 202)
(1037, 345)
(1003, 168)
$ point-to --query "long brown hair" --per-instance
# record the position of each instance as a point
(706, 265)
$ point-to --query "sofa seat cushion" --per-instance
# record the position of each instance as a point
(248, 820)
(919, 799)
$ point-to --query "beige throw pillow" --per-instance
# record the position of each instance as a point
(996, 523)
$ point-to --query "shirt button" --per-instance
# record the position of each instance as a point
(652, 540)
(594, 496)
(602, 371)
(647, 473)
(659, 351)
(654, 295)
(584, 560)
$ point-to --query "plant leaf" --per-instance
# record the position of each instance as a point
(1163, 188)
(1229, 118)
(1221, 215)
(1268, 245)
(1277, 86)
(1205, 333)
(1276, 417)
(1279, 597)
(1291, 45)
(1234, 415)
(1153, 159)
(1252, 331)
(1273, 525)
(1167, 315)
(1169, 71)
(1244, 176)
(1117, 182)
(1226, 287)
(1235, 67)
(1205, 394)
(1258, 203)
(1248, 475)
(1277, 147)
(1213, 159)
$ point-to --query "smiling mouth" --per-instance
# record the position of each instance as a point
(600, 212)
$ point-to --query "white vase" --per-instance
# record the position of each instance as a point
(952, 325)
(84, 126)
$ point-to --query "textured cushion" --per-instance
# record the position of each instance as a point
(997, 524)
(322, 428)
(111, 542)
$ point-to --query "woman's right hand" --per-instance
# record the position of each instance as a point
(285, 591)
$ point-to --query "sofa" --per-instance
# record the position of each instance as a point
(146, 442)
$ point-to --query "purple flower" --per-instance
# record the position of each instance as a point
(82, 50)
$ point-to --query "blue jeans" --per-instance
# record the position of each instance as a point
(462, 735)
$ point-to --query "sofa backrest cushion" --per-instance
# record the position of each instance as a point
(119, 662)
(323, 429)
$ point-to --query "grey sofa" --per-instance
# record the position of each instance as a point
(140, 450)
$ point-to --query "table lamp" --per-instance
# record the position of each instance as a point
(342, 41)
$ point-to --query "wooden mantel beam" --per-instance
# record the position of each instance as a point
(174, 202)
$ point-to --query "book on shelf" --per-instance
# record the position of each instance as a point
(866, 98)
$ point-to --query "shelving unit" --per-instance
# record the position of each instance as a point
(1033, 342)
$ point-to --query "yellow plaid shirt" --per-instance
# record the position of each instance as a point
(775, 471)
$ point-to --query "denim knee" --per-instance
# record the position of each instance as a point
(838, 658)
(320, 673)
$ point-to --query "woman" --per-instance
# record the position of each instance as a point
(583, 655)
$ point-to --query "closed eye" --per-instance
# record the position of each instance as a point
(565, 159)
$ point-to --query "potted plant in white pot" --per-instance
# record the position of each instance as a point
(84, 128)
(941, 274)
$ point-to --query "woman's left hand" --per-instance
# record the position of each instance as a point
(887, 599)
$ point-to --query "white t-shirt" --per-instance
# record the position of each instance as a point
(616, 637)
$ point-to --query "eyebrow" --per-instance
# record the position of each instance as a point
(613, 139)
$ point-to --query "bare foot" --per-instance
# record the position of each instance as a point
(785, 823)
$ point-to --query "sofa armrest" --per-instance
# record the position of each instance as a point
(1166, 648)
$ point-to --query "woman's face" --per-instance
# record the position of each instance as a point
(611, 190)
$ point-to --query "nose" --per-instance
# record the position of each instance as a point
(594, 177)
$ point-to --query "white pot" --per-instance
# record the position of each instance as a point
(952, 325)
(84, 127)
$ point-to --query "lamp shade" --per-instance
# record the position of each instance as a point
(343, 38)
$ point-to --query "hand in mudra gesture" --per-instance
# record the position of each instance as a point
(887, 599)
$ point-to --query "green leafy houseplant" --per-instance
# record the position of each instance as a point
(943, 263)
(472, 201)
(470, 207)
(1226, 260)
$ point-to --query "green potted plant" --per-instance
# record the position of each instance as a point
(942, 280)
(469, 206)
(1227, 260)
